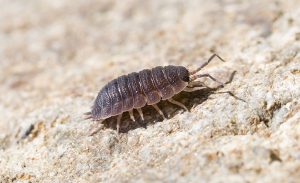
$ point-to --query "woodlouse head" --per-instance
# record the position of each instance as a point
(183, 74)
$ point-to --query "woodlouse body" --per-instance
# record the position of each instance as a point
(147, 87)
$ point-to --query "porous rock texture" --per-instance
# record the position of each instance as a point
(55, 56)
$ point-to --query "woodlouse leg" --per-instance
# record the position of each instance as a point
(207, 75)
(177, 103)
(198, 84)
(206, 63)
(192, 89)
(141, 113)
(158, 110)
(97, 129)
(195, 86)
(131, 115)
(119, 122)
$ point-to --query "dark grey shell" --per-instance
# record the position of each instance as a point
(136, 90)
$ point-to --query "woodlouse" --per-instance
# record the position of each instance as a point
(147, 87)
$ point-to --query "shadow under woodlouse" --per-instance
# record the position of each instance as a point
(189, 99)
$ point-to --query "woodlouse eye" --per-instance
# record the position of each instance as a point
(183, 74)
(186, 78)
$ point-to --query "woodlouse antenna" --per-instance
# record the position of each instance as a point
(231, 94)
(207, 76)
(206, 63)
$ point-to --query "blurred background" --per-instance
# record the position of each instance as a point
(55, 55)
(54, 50)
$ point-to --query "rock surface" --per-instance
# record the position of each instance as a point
(55, 55)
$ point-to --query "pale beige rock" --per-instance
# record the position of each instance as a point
(56, 55)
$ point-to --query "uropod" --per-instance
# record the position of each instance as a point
(147, 87)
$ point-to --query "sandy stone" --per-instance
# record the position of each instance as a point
(56, 55)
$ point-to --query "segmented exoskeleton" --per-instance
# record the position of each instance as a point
(147, 87)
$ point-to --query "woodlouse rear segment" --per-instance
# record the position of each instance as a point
(147, 87)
